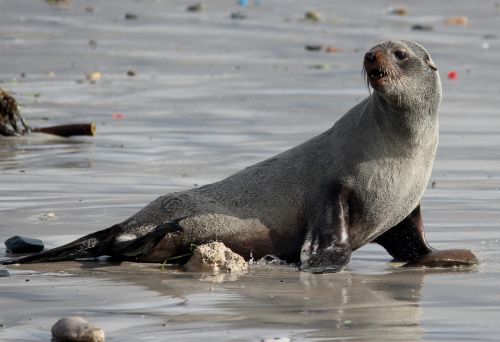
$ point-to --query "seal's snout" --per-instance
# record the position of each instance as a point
(370, 57)
(377, 68)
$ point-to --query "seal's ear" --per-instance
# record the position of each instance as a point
(430, 63)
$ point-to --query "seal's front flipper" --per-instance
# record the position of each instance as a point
(406, 242)
(326, 247)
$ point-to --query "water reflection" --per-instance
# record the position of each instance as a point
(344, 306)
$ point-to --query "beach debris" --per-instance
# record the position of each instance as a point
(324, 66)
(22, 244)
(453, 75)
(313, 47)
(215, 257)
(433, 184)
(422, 27)
(131, 16)
(490, 36)
(198, 7)
(312, 16)
(332, 49)
(58, 2)
(399, 10)
(13, 124)
(48, 217)
(276, 339)
(131, 73)
(457, 21)
(118, 116)
(4, 273)
(238, 16)
(243, 3)
(93, 76)
(76, 329)
(93, 43)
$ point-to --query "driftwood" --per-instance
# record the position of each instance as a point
(13, 124)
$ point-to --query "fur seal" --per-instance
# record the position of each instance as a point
(361, 181)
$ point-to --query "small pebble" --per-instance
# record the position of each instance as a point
(238, 16)
(457, 21)
(131, 16)
(76, 329)
(312, 16)
(333, 49)
(48, 217)
(93, 76)
(21, 244)
(313, 47)
(397, 10)
(195, 8)
(131, 73)
(420, 27)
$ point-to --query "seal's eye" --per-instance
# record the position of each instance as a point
(401, 55)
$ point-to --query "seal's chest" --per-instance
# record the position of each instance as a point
(388, 189)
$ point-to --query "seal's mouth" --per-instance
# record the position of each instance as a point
(377, 74)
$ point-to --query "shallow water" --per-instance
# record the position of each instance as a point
(213, 95)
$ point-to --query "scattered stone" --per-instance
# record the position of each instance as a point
(214, 257)
(21, 244)
(312, 16)
(313, 47)
(490, 36)
(457, 21)
(93, 43)
(4, 273)
(131, 16)
(238, 16)
(397, 10)
(76, 329)
(433, 184)
(48, 217)
(320, 66)
(131, 73)
(94, 76)
(421, 27)
(332, 49)
(195, 8)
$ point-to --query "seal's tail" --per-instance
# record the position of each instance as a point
(103, 242)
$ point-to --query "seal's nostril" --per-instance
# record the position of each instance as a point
(370, 56)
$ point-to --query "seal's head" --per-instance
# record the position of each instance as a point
(402, 70)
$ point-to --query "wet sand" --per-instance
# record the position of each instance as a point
(212, 95)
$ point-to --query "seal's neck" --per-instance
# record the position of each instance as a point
(407, 119)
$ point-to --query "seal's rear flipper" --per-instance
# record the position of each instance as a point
(104, 242)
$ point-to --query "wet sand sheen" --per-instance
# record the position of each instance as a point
(213, 95)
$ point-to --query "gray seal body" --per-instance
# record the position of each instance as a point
(360, 181)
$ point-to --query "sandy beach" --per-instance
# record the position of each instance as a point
(187, 98)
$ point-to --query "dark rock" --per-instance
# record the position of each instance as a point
(238, 16)
(420, 27)
(21, 244)
(131, 16)
(313, 47)
(195, 8)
